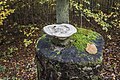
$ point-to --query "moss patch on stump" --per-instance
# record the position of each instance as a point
(82, 37)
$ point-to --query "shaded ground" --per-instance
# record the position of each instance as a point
(111, 70)
(19, 64)
(17, 60)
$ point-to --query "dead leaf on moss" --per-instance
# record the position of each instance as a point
(91, 48)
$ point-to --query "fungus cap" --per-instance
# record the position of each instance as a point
(60, 30)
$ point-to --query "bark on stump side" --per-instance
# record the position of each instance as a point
(67, 63)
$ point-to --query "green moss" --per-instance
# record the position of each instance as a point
(42, 37)
(82, 37)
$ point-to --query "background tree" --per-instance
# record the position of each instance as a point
(62, 11)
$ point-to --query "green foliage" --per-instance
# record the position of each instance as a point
(27, 42)
(9, 51)
(12, 49)
(42, 1)
(28, 31)
(2, 68)
(4, 11)
(114, 15)
(106, 20)
(99, 17)
(82, 37)
(12, 78)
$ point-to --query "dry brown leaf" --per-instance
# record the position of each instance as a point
(91, 48)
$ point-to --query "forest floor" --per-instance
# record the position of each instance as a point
(17, 59)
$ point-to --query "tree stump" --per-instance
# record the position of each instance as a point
(66, 62)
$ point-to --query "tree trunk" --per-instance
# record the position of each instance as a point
(60, 63)
(62, 11)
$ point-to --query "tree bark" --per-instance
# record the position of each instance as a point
(62, 11)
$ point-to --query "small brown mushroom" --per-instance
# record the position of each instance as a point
(91, 48)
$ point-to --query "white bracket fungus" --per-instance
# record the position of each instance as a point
(60, 30)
